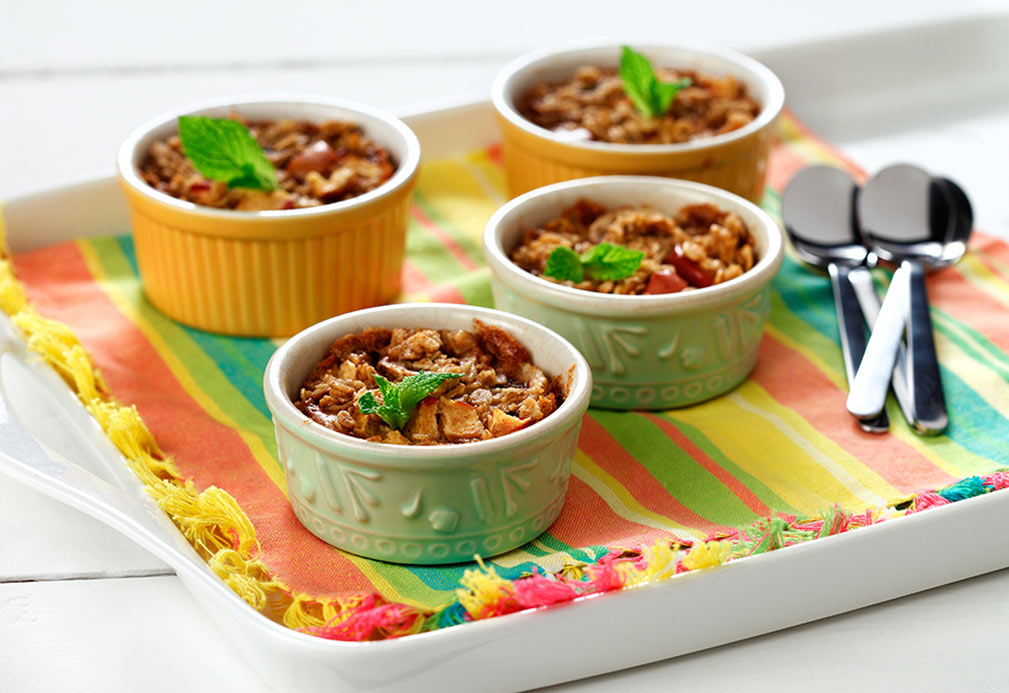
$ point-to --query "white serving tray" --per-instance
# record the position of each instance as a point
(831, 84)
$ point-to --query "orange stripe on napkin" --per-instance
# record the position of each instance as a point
(793, 381)
(204, 449)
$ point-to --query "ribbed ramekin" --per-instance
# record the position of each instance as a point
(646, 352)
(432, 503)
(735, 161)
(271, 273)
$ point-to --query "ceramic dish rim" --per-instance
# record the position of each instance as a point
(405, 172)
(448, 454)
(589, 301)
(768, 111)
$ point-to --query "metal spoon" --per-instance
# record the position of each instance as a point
(861, 282)
(818, 211)
(908, 217)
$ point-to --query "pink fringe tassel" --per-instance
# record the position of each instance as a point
(371, 620)
(998, 480)
(926, 500)
(603, 575)
(537, 590)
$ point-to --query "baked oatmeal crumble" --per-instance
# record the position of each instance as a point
(700, 246)
(316, 164)
(500, 390)
(592, 105)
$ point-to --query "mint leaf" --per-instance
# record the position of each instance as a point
(385, 387)
(223, 149)
(651, 97)
(608, 262)
(564, 264)
(665, 92)
(639, 81)
(414, 388)
(368, 404)
(399, 401)
(605, 262)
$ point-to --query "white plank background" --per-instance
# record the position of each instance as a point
(82, 608)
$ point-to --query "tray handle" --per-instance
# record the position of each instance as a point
(23, 458)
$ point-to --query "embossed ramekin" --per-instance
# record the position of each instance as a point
(271, 273)
(426, 504)
(646, 352)
(735, 161)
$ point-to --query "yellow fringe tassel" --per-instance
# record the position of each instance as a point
(211, 519)
(482, 589)
(249, 579)
(126, 430)
(309, 612)
(706, 554)
(659, 560)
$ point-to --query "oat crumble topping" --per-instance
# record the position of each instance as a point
(500, 390)
(700, 246)
(592, 105)
(316, 164)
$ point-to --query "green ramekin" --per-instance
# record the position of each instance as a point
(426, 504)
(646, 352)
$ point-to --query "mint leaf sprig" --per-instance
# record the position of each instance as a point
(399, 401)
(650, 96)
(604, 262)
(223, 149)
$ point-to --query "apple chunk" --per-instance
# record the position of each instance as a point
(423, 425)
(502, 424)
(460, 421)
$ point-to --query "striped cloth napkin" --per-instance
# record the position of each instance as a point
(781, 443)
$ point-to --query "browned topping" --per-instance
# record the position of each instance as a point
(500, 390)
(316, 164)
(701, 246)
(592, 105)
(510, 355)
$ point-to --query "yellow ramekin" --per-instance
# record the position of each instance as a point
(271, 273)
(735, 161)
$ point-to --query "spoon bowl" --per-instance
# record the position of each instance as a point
(818, 211)
(906, 214)
(963, 225)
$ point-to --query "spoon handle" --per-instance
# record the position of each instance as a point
(868, 299)
(923, 365)
(849, 322)
(872, 380)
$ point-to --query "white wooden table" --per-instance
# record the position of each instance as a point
(83, 609)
